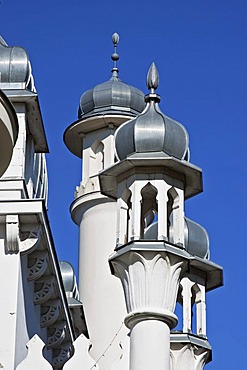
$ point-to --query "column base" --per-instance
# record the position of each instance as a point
(165, 316)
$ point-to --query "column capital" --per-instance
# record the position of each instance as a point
(189, 352)
(150, 280)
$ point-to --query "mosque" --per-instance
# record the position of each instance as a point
(140, 257)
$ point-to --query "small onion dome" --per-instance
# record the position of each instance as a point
(15, 65)
(196, 239)
(111, 97)
(69, 279)
(152, 131)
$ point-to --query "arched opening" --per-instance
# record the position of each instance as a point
(173, 221)
(200, 309)
(96, 161)
(149, 212)
(124, 210)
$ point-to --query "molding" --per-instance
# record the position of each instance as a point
(46, 290)
(50, 313)
(57, 336)
(63, 356)
(39, 266)
(12, 234)
(35, 359)
(81, 355)
(31, 242)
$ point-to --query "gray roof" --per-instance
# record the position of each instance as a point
(152, 131)
(14, 65)
(113, 96)
(196, 240)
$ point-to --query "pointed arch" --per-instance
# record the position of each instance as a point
(173, 215)
(149, 206)
(96, 161)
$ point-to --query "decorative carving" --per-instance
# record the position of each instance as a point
(45, 288)
(50, 313)
(12, 234)
(81, 355)
(31, 242)
(63, 356)
(57, 336)
(189, 356)
(38, 261)
(34, 359)
(150, 281)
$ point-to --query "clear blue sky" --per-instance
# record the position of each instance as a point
(199, 48)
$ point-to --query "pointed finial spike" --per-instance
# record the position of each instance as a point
(115, 38)
(152, 78)
(115, 56)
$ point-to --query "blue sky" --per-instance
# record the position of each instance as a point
(199, 48)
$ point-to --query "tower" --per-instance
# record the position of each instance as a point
(161, 257)
(101, 111)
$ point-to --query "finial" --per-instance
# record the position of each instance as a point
(115, 56)
(152, 78)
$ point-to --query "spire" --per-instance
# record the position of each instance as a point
(152, 83)
(152, 78)
(115, 56)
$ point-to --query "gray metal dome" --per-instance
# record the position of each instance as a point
(15, 65)
(111, 97)
(152, 131)
(196, 240)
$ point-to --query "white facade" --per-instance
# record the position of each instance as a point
(139, 256)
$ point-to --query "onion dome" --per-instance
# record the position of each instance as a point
(152, 131)
(196, 240)
(15, 65)
(113, 96)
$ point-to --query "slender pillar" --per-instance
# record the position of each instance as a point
(150, 345)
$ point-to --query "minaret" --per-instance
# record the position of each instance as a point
(102, 110)
(160, 255)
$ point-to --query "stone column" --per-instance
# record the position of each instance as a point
(150, 280)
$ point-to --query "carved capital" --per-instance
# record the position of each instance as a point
(12, 234)
(150, 281)
(189, 353)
